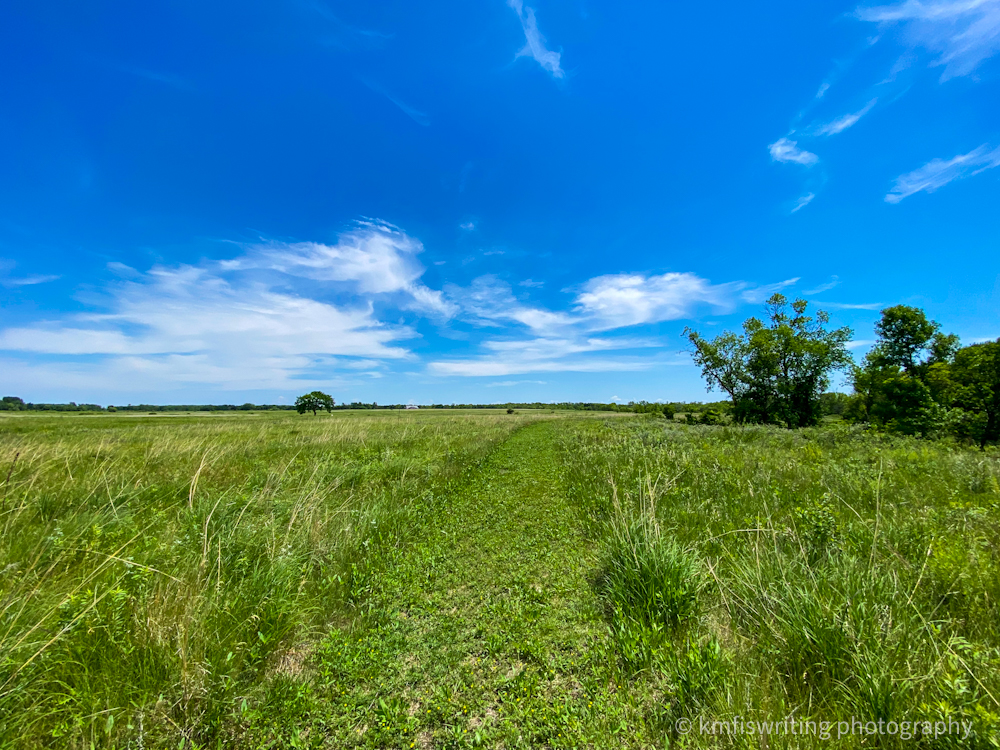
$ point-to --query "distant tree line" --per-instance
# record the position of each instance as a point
(13, 403)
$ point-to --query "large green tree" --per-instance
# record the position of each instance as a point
(905, 373)
(775, 370)
(975, 374)
(314, 402)
(909, 341)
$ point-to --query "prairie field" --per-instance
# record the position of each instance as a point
(482, 579)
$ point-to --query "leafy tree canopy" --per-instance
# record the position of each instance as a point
(976, 376)
(775, 370)
(907, 340)
(314, 402)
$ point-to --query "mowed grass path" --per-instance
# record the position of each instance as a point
(487, 633)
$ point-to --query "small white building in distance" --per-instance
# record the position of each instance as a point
(412, 406)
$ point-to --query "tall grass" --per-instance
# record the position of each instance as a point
(155, 572)
(649, 584)
(852, 575)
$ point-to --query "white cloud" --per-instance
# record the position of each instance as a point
(564, 341)
(962, 33)
(6, 280)
(421, 118)
(853, 306)
(788, 151)
(467, 226)
(758, 294)
(29, 280)
(620, 300)
(489, 300)
(188, 310)
(376, 258)
(845, 121)
(607, 302)
(803, 201)
(834, 281)
(938, 172)
(507, 383)
(284, 315)
(530, 283)
(546, 355)
(225, 325)
(534, 41)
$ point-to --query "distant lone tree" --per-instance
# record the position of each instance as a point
(314, 402)
(775, 371)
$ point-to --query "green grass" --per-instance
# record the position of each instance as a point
(851, 575)
(487, 580)
(157, 570)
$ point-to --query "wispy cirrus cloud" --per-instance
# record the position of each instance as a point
(579, 340)
(757, 294)
(853, 305)
(508, 383)
(606, 303)
(787, 151)
(374, 258)
(167, 79)
(842, 123)
(284, 315)
(6, 280)
(189, 325)
(324, 11)
(937, 173)
(834, 281)
(960, 33)
(534, 46)
(550, 354)
(421, 118)
(28, 280)
(802, 202)
(489, 301)
(276, 316)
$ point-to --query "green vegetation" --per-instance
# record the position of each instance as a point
(775, 373)
(830, 573)
(314, 402)
(447, 579)
(918, 381)
(154, 573)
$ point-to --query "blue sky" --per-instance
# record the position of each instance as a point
(477, 201)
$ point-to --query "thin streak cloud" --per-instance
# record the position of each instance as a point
(421, 118)
(834, 281)
(534, 41)
(841, 124)
(937, 173)
(802, 202)
(962, 33)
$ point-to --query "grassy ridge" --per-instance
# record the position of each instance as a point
(153, 571)
(837, 574)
